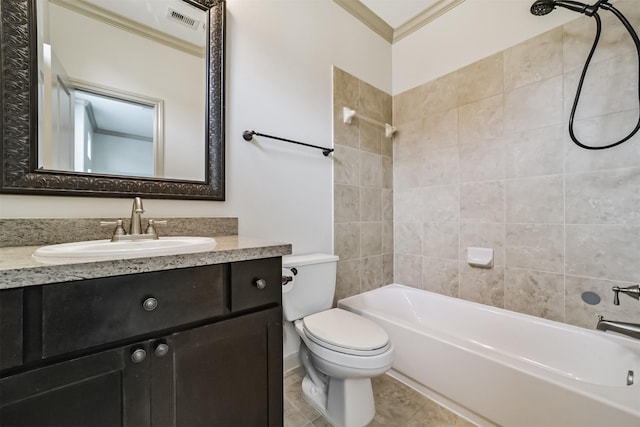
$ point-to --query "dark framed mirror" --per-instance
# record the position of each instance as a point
(21, 167)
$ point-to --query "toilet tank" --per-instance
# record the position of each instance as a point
(312, 288)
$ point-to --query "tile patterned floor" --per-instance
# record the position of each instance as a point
(396, 406)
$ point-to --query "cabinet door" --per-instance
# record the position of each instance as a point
(229, 373)
(10, 328)
(104, 389)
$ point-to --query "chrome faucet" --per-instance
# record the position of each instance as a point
(629, 329)
(135, 228)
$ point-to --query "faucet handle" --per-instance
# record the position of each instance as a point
(632, 291)
(151, 227)
(118, 231)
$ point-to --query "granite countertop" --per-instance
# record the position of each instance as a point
(19, 269)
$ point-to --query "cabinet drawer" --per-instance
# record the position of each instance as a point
(10, 328)
(98, 311)
(246, 283)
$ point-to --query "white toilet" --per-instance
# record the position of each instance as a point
(340, 351)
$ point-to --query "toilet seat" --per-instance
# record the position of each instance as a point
(345, 332)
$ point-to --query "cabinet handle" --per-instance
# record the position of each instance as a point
(161, 350)
(150, 304)
(261, 283)
(138, 356)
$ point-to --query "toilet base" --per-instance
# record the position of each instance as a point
(347, 402)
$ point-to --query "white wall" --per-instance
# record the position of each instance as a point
(472, 31)
(280, 55)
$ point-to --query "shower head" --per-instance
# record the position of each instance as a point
(544, 7)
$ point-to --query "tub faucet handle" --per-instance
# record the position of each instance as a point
(632, 291)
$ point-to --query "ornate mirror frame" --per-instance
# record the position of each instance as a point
(19, 121)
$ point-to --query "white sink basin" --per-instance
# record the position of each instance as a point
(98, 250)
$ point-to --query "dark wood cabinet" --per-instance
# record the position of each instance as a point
(200, 362)
(10, 328)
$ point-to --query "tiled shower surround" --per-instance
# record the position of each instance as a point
(482, 157)
(363, 181)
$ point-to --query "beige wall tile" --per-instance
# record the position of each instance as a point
(387, 269)
(387, 172)
(348, 279)
(371, 273)
(535, 247)
(370, 204)
(440, 240)
(439, 167)
(372, 103)
(599, 131)
(370, 170)
(535, 200)
(346, 88)
(440, 94)
(407, 270)
(387, 237)
(440, 275)
(370, 137)
(533, 106)
(536, 59)
(408, 238)
(480, 80)
(407, 141)
(482, 235)
(437, 204)
(482, 201)
(407, 172)
(346, 165)
(535, 152)
(360, 172)
(343, 133)
(346, 203)
(484, 286)
(407, 106)
(439, 130)
(371, 239)
(408, 204)
(603, 251)
(347, 240)
(482, 162)
(387, 204)
(481, 120)
(610, 86)
(604, 197)
(534, 292)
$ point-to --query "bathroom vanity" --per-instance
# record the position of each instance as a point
(186, 340)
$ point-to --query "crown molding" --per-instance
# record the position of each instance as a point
(384, 30)
(367, 17)
(424, 17)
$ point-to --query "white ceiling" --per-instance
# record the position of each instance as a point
(397, 12)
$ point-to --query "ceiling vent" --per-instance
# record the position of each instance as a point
(180, 17)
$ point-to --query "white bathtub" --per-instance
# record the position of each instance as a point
(496, 367)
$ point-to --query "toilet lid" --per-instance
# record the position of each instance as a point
(346, 331)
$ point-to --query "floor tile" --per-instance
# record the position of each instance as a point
(397, 405)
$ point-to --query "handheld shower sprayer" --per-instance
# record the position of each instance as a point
(544, 7)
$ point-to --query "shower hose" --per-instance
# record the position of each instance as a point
(634, 36)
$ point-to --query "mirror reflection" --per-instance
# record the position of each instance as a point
(122, 87)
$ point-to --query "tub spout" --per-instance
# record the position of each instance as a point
(629, 329)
